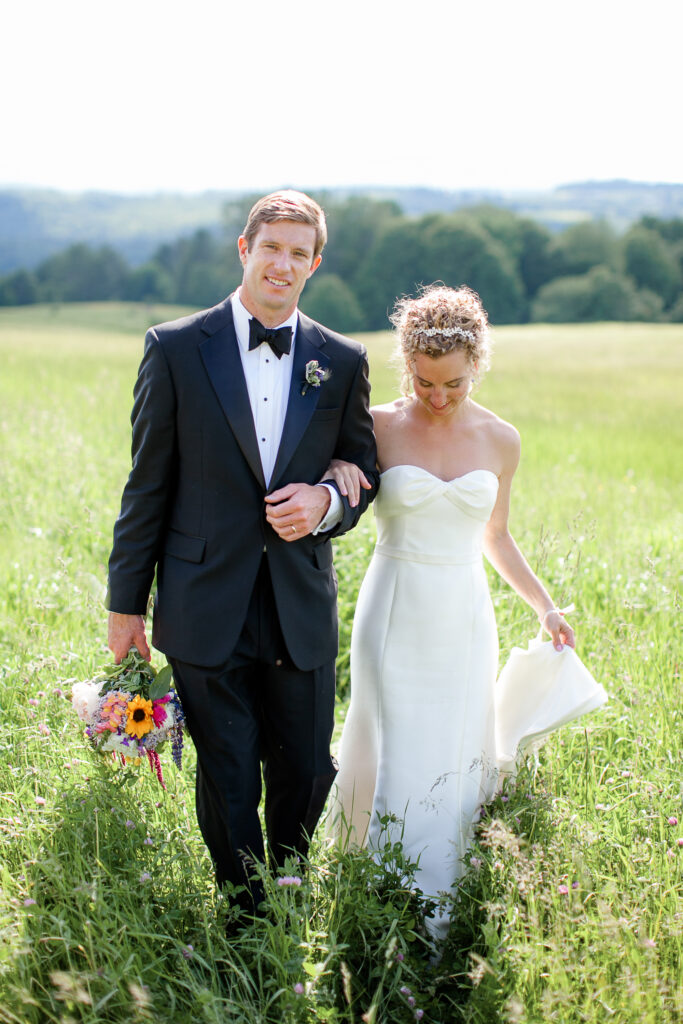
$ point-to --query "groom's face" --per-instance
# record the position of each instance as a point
(277, 264)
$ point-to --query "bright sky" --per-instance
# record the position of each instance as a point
(156, 95)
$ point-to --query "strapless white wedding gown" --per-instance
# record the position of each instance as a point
(419, 738)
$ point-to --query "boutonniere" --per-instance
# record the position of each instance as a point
(314, 376)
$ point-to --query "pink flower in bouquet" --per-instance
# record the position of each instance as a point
(159, 712)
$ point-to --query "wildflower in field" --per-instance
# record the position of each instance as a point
(289, 880)
(33, 702)
(40, 694)
(130, 824)
(298, 989)
(400, 957)
(140, 994)
(476, 862)
(43, 729)
(563, 890)
(673, 820)
(411, 1000)
(649, 943)
(679, 841)
(29, 903)
(140, 717)
(148, 841)
(405, 991)
(419, 1014)
(188, 952)
(575, 885)
(145, 877)
(41, 801)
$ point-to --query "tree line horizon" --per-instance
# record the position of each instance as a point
(522, 271)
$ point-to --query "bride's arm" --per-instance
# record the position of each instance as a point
(348, 477)
(506, 558)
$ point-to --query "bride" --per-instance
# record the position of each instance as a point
(419, 738)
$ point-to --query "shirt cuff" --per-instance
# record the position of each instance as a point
(334, 513)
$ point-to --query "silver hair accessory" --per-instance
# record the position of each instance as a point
(448, 332)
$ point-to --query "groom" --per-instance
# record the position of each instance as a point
(238, 410)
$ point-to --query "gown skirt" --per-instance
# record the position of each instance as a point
(419, 741)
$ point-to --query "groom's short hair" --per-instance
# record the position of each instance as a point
(287, 205)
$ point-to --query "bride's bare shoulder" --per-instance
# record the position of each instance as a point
(500, 431)
(389, 413)
(391, 408)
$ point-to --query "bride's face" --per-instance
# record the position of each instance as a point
(443, 383)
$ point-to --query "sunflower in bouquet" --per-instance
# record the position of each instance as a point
(130, 711)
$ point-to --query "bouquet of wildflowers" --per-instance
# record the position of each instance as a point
(130, 711)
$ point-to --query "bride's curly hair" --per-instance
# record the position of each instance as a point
(458, 312)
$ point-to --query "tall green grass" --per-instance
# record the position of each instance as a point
(571, 908)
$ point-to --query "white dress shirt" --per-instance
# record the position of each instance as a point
(268, 382)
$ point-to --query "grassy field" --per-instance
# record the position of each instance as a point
(572, 909)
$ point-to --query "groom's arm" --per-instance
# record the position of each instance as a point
(139, 529)
(298, 509)
(356, 443)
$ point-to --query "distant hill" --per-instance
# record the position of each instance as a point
(619, 202)
(34, 223)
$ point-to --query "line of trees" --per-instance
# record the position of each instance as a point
(522, 271)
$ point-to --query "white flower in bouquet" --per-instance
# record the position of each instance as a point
(120, 744)
(85, 699)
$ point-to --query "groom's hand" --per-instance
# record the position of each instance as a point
(295, 510)
(126, 631)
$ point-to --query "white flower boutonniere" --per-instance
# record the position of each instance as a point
(314, 376)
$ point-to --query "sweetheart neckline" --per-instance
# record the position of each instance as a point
(410, 465)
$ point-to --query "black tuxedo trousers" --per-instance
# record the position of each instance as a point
(265, 714)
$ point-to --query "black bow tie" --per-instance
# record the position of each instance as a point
(280, 340)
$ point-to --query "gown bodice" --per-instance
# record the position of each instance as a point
(425, 519)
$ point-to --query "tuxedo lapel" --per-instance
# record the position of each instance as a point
(307, 346)
(221, 357)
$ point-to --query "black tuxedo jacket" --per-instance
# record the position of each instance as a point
(193, 505)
